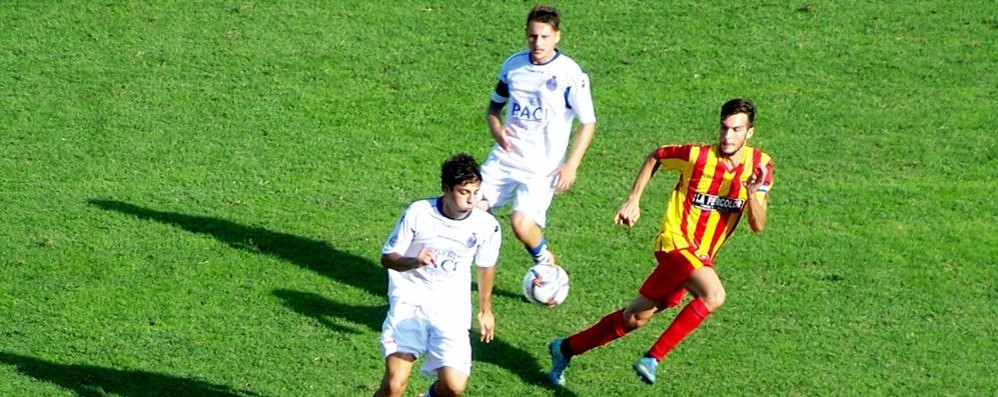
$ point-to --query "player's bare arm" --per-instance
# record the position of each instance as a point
(494, 119)
(568, 170)
(397, 262)
(486, 320)
(756, 204)
(630, 211)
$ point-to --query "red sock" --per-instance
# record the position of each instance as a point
(605, 331)
(688, 320)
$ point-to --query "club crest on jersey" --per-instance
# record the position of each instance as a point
(714, 203)
(552, 83)
(472, 240)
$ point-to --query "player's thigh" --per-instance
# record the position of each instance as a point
(706, 285)
(498, 185)
(398, 366)
(665, 282)
(534, 198)
(404, 331)
(448, 346)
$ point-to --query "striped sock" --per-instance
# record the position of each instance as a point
(541, 253)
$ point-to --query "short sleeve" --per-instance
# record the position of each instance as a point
(580, 98)
(501, 92)
(402, 235)
(488, 248)
(673, 157)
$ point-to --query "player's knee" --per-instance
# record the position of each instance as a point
(392, 387)
(634, 321)
(519, 221)
(714, 299)
(452, 387)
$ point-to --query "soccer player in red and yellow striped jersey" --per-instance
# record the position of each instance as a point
(717, 184)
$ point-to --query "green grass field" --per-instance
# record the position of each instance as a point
(193, 195)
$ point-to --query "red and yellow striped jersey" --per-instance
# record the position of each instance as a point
(710, 197)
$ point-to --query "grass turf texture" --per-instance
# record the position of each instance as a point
(194, 194)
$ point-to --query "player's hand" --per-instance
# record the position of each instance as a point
(628, 214)
(565, 176)
(486, 326)
(756, 180)
(501, 135)
(425, 257)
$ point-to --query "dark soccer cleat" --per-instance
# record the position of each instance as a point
(559, 363)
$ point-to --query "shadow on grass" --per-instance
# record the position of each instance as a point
(89, 380)
(311, 254)
(340, 266)
(326, 311)
(499, 292)
(498, 352)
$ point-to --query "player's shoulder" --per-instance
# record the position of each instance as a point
(762, 156)
(679, 150)
(484, 216)
(568, 64)
(567, 61)
(519, 57)
(693, 146)
(422, 205)
(485, 219)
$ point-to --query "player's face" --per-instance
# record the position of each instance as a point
(542, 40)
(460, 200)
(733, 134)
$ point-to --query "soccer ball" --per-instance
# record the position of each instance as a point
(545, 285)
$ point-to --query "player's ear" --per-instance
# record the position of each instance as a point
(749, 133)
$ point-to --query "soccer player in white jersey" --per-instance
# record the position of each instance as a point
(543, 91)
(429, 256)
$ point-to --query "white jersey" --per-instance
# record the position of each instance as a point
(543, 100)
(456, 244)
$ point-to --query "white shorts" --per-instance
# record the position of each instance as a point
(531, 193)
(409, 329)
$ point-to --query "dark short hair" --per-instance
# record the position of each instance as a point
(739, 105)
(544, 14)
(459, 169)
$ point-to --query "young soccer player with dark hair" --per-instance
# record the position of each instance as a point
(429, 257)
(717, 184)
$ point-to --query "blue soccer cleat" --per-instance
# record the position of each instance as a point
(645, 368)
(559, 363)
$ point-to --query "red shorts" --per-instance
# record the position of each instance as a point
(665, 283)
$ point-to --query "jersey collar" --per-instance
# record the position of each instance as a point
(557, 53)
(440, 209)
